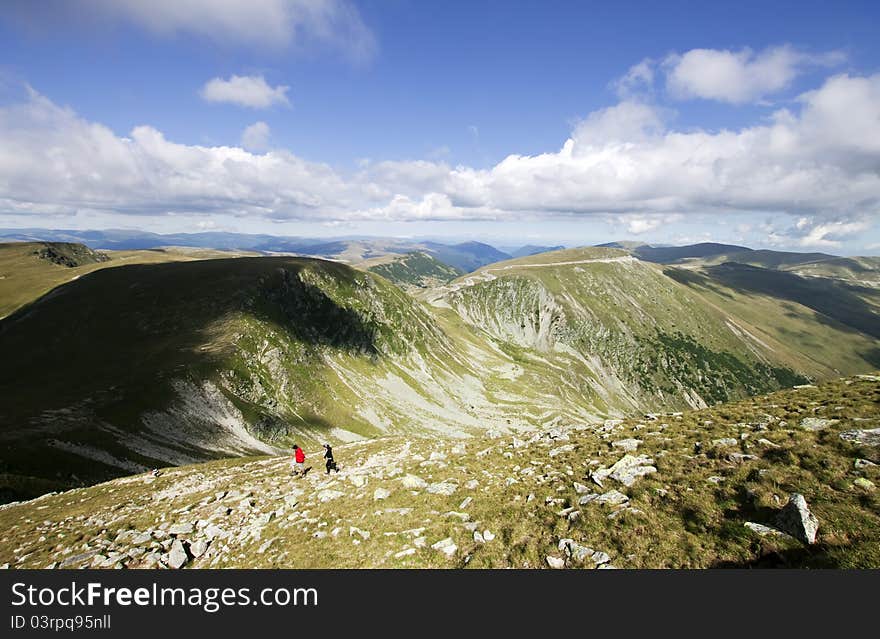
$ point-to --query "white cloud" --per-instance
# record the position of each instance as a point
(638, 77)
(639, 224)
(274, 23)
(821, 160)
(248, 90)
(817, 161)
(828, 234)
(85, 166)
(255, 137)
(738, 76)
(628, 121)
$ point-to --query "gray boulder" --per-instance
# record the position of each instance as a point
(816, 423)
(177, 557)
(797, 520)
(180, 529)
(442, 488)
(413, 482)
(629, 468)
(628, 445)
(869, 436)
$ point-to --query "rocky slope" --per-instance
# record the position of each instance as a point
(621, 329)
(133, 367)
(129, 368)
(705, 488)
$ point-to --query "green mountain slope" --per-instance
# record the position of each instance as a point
(703, 489)
(619, 328)
(164, 364)
(31, 269)
(414, 270)
(858, 271)
(142, 365)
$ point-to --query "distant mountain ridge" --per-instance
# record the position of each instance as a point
(465, 256)
(126, 365)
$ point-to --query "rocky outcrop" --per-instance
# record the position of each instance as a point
(797, 520)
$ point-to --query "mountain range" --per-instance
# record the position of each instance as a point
(128, 360)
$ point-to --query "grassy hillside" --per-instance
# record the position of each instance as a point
(467, 256)
(707, 491)
(618, 327)
(31, 269)
(856, 271)
(129, 367)
(414, 270)
(165, 364)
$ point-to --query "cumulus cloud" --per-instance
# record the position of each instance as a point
(735, 76)
(639, 77)
(639, 224)
(255, 137)
(822, 159)
(275, 23)
(809, 232)
(51, 160)
(819, 160)
(248, 90)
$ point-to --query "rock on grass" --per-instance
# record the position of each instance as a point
(797, 520)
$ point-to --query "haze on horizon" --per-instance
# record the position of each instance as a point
(507, 123)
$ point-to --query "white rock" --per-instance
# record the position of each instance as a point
(763, 530)
(212, 532)
(381, 493)
(581, 488)
(413, 482)
(180, 529)
(816, 423)
(354, 530)
(177, 557)
(442, 488)
(329, 495)
(869, 437)
(446, 546)
(612, 497)
(464, 504)
(797, 520)
(555, 562)
(198, 548)
(488, 536)
(628, 445)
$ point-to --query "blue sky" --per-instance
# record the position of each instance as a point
(447, 119)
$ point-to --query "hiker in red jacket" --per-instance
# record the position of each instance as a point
(299, 460)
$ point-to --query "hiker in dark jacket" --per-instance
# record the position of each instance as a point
(328, 455)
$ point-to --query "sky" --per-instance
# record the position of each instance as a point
(551, 122)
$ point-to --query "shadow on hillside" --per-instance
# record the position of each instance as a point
(135, 325)
(694, 278)
(817, 556)
(86, 360)
(836, 303)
